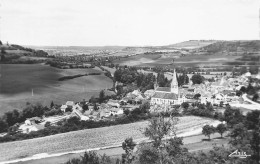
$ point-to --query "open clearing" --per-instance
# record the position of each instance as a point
(18, 81)
(89, 138)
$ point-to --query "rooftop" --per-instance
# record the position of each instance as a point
(162, 95)
(163, 89)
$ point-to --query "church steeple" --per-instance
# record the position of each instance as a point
(174, 84)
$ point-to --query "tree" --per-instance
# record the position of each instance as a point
(101, 96)
(126, 112)
(88, 158)
(250, 89)
(197, 96)
(144, 107)
(159, 128)
(12, 117)
(3, 51)
(52, 104)
(252, 119)
(47, 124)
(207, 130)
(255, 97)
(233, 116)
(148, 154)
(197, 79)
(85, 107)
(128, 146)
(239, 93)
(185, 105)
(243, 70)
(183, 79)
(3, 126)
(95, 107)
(243, 89)
(238, 134)
(221, 128)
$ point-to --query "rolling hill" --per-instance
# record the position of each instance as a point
(19, 54)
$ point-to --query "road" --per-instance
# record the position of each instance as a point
(244, 96)
(193, 143)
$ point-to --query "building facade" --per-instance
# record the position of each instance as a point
(168, 95)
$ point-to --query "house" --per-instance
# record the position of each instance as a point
(116, 111)
(24, 128)
(70, 104)
(149, 93)
(136, 92)
(105, 113)
(77, 107)
(113, 103)
(33, 120)
(63, 108)
(205, 98)
(78, 114)
(95, 115)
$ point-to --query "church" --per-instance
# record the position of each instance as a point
(167, 96)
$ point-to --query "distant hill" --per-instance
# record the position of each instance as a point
(238, 47)
(192, 44)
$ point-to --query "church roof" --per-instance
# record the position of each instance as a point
(163, 89)
(165, 95)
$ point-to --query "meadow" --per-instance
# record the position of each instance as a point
(18, 81)
(152, 60)
(89, 138)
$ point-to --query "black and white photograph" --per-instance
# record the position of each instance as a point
(129, 82)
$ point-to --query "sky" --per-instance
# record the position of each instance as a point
(126, 22)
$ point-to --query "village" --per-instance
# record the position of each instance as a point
(225, 90)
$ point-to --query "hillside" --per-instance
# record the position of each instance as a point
(192, 44)
(238, 47)
(91, 138)
(16, 54)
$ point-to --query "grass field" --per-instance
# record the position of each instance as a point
(191, 44)
(17, 82)
(192, 143)
(189, 60)
(89, 138)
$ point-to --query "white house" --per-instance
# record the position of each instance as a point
(33, 120)
(116, 111)
(63, 108)
(113, 103)
(77, 113)
(24, 128)
(70, 104)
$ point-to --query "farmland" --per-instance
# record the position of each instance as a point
(152, 60)
(89, 138)
(17, 82)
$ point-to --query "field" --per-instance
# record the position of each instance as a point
(191, 44)
(152, 60)
(89, 138)
(18, 81)
(192, 143)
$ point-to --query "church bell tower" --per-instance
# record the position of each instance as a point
(174, 84)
